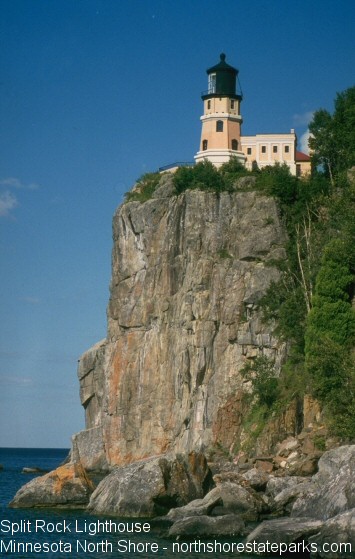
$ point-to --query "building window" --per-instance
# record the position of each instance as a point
(263, 149)
(287, 149)
(248, 151)
(232, 103)
(219, 126)
(212, 83)
(235, 145)
(298, 170)
(204, 145)
(208, 104)
(274, 149)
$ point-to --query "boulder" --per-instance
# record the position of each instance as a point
(285, 530)
(33, 470)
(332, 490)
(276, 485)
(283, 501)
(226, 498)
(151, 487)
(186, 476)
(67, 487)
(307, 466)
(239, 500)
(336, 538)
(197, 507)
(228, 525)
(257, 479)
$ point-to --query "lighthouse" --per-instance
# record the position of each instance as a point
(221, 119)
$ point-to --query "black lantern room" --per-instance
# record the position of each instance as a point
(222, 80)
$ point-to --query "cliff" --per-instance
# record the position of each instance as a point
(183, 319)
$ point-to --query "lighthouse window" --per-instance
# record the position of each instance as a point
(204, 145)
(212, 83)
(219, 126)
(208, 104)
(235, 145)
(232, 103)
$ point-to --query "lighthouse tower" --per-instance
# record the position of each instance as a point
(221, 119)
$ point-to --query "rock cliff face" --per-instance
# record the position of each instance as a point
(187, 274)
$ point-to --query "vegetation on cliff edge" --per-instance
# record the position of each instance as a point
(313, 303)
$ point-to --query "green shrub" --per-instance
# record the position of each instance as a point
(276, 180)
(144, 188)
(203, 176)
(261, 373)
(231, 171)
(223, 253)
(329, 339)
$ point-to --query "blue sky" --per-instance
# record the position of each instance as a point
(94, 94)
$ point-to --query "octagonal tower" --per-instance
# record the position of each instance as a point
(221, 119)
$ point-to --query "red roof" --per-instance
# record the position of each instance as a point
(300, 156)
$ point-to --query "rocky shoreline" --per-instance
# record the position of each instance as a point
(187, 497)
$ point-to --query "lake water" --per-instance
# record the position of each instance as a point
(55, 534)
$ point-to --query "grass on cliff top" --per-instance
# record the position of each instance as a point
(144, 188)
(205, 176)
(275, 180)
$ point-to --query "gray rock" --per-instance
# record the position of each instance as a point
(197, 507)
(151, 487)
(257, 479)
(276, 485)
(284, 530)
(33, 470)
(165, 188)
(228, 498)
(229, 525)
(88, 449)
(245, 182)
(336, 538)
(129, 491)
(283, 501)
(332, 490)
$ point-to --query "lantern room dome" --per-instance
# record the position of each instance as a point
(222, 66)
(222, 79)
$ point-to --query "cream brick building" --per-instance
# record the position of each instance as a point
(221, 136)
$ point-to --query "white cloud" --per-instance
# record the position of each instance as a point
(31, 300)
(303, 118)
(304, 142)
(7, 203)
(12, 182)
(7, 380)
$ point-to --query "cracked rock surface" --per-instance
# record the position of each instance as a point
(183, 318)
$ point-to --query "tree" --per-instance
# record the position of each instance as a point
(330, 335)
(332, 138)
(203, 176)
(344, 128)
(261, 373)
(322, 142)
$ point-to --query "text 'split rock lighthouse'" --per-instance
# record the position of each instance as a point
(221, 119)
